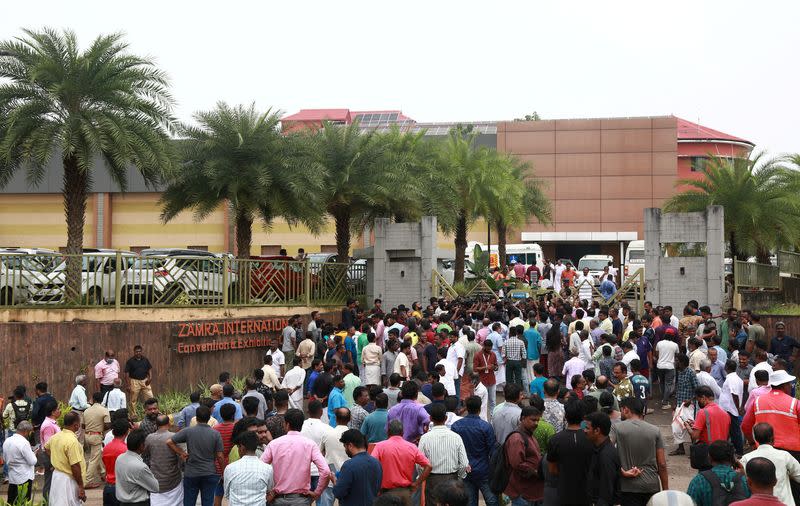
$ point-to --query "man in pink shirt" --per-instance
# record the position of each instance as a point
(106, 371)
(483, 332)
(762, 380)
(291, 456)
(48, 429)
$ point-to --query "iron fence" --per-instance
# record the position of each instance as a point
(122, 279)
(789, 262)
(753, 275)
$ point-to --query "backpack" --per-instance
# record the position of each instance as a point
(722, 495)
(21, 412)
(499, 468)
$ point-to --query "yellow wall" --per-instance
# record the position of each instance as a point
(37, 221)
(136, 221)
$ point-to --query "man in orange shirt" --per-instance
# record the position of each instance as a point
(779, 409)
(398, 457)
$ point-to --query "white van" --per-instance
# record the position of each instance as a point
(595, 264)
(634, 258)
(525, 253)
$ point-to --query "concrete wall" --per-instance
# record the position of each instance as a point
(702, 277)
(401, 261)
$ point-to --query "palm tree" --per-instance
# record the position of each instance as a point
(236, 156)
(80, 104)
(474, 185)
(760, 198)
(357, 182)
(516, 199)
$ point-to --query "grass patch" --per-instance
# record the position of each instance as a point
(782, 309)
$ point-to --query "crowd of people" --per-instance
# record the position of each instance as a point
(402, 406)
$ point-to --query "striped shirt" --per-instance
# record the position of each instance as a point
(515, 349)
(247, 481)
(445, 450)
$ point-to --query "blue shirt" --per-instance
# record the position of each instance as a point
(533, 341)
(223, 401)
(186, 415)
(311, 379)
(359, 481)
(336, 400)
(350, 345)
(608, 289)
(480, 442)
(374, 426)
(537, 386)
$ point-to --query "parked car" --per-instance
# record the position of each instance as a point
(98, 278)
(22, 272)
(164, 275)
(634, 258)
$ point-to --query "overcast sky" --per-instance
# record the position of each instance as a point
(730, 65)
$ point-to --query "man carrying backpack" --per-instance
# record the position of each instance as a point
(18, 410)
(523, 457)
(722, 484)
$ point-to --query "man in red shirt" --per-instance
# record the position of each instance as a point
(779, 409)
(761, 480)
(398, 457)
(718, 420)
(111, 451)
(485, 364)
(227, 412)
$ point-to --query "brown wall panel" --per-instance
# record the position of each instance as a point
(528, 143)
(578, 124)
(577, 164)
(578, 141)
(623, 211)
(575, 188)
(579, 210)
(626, 123)
(624, 164)
(665, 164)
(623, 141)
(626, 187)
(665, 139)
(543, 165)
(663, 186)
(528, 126)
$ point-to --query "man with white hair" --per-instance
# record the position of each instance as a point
(79, 402)
(704, 377)
(115, 399)
(20, 460)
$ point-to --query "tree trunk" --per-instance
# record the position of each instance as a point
(341, 217)
(460, 243)
(762, 256)
(735, 253)
(75, 192)
(502, 231)
(244, 234)
(239, 292)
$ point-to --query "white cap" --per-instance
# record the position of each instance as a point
(670, 498)
(777, 378)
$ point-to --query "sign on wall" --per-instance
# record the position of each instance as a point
(227, 334)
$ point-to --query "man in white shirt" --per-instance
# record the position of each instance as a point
(630, 355)
(573, 367)
(248, 480)
(585, 282)
(786, 467)
(270, 376)
(481, 391)
(115, 399)
(317, 430)
(450, 372)
(293, 383)
(586, 349)
(575, 338)
(666, 349)
(20, 459)
(704, 377)
(331, 446)
(730, 399)
(558, 270)
(455, 355)
(278, 359)
(760, 357)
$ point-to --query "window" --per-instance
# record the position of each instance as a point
(698, 163)
(328, 248)
(683, 249)
(270, 249)
(138, 249)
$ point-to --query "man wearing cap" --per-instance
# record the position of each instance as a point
(779, 409)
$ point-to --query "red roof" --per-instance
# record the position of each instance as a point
(319, 115)
(692, 131)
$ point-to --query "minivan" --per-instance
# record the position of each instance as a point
(634, 258)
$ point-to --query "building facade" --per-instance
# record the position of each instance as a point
(599, 173)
